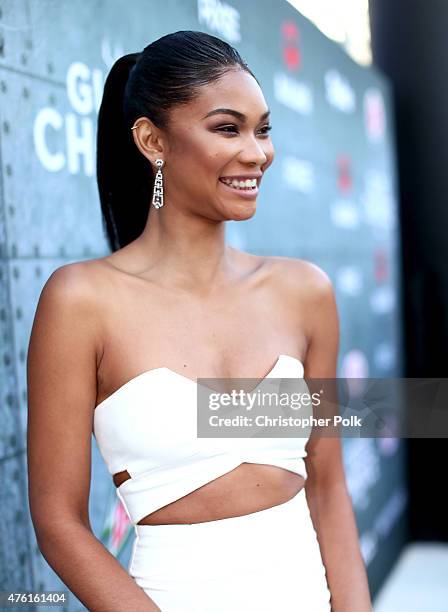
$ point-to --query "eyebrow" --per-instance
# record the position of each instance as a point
(237, 114)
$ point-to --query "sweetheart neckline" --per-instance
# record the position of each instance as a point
(186, 378)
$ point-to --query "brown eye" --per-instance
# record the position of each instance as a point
(233, 129)
(267, 129)
(228, 129)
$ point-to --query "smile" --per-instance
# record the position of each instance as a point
(246, 189)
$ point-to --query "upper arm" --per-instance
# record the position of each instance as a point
(324, 451)
(61, 379)
(322, 327)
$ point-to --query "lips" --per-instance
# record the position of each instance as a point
(242, 192)
(245, 188)
(242, 177)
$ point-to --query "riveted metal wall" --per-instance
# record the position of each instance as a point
(329, 197)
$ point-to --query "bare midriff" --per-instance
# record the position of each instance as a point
(248, 488)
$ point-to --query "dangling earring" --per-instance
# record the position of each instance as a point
(157, 196)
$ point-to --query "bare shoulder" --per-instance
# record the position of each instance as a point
(78, 280)
(301, 278)
(309, 292)
(75, 291)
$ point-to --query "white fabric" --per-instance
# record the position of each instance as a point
(266, 561)
(149, 428)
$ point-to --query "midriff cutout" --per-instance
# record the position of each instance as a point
(250, 487)
(121, 477)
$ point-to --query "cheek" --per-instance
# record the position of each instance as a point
(188, 159)
(197, 151)
(270, 154)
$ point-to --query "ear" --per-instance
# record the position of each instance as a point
(148, 138)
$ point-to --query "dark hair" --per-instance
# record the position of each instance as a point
(168, 72)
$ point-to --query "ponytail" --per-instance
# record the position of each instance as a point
(125, 177)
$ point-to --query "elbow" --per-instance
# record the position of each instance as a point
(49, 531)
(45, 531)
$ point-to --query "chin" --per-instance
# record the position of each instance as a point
(239, 212)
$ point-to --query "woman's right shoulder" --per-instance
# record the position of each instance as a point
(84, 276)
(73, 303)
(80, 282)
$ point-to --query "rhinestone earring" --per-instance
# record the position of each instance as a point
(157, 196)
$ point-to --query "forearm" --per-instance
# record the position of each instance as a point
(335, 524)
(90, 571)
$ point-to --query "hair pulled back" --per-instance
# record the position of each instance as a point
(168, 72)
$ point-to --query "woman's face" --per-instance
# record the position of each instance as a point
(207, 148)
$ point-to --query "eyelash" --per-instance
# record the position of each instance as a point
(268, 128)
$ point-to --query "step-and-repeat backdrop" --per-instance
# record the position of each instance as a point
(330, 197)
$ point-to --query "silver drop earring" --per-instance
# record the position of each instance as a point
(157, 196)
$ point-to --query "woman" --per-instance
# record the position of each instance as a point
(117, 343)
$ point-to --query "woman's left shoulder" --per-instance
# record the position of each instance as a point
(300, 274)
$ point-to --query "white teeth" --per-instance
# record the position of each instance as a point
(245, 184)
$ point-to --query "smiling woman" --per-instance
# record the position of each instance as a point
(172, 115)
(221, 524)
(218, 154)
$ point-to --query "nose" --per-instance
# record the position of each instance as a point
(253, 152)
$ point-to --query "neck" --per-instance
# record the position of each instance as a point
(187, 250)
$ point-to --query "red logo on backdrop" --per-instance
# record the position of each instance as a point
(381, 265)
(345, 181)
(291, 51)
